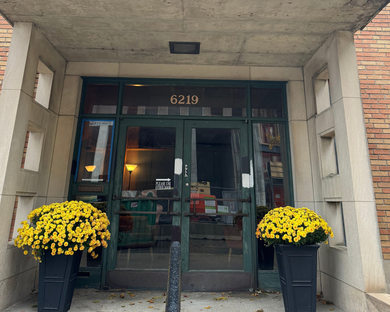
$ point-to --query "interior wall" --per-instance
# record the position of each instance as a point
(346, 272)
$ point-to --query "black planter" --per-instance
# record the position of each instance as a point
(298, 276)
(57, 280)
(265, 256)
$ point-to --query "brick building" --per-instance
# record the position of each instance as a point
(373, 56)
(287, 89)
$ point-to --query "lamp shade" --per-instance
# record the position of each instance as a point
(90, 168)
(130, 168)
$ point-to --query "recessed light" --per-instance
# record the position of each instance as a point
(184, 47)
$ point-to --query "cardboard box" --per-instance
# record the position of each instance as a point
(202, 187)
(209, 205)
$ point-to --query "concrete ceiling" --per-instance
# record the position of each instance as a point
(231, 32)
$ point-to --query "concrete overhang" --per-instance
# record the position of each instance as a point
(231, 32)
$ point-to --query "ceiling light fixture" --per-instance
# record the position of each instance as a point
(184, 47)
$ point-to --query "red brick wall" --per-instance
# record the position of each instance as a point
(5, 41)
(373, 55)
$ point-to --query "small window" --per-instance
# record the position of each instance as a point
(335, 218)
(22, 207)
(32, 149)
(329, 154)
(101, 99)
(322, 91)
(266, 102)
(43, 82)
(95, 151)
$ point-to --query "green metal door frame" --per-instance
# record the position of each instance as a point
(112, 188)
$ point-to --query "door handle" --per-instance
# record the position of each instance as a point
(242, 200)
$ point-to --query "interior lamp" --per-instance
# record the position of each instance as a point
(90, 168)
(130, 168)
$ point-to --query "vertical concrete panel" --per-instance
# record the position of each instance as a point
(63, 151)
(300, 154)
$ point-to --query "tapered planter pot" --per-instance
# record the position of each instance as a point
(57, 280)
(298, 276)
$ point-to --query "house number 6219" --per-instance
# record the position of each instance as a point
(184, 99)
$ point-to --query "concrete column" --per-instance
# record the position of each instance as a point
(19, 112)
(347, 273)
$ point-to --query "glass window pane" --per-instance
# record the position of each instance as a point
(271, 179)
(184, 101)
(148, 175)
(95, 151)
(215, 241)
(267, 102)
(101, 99)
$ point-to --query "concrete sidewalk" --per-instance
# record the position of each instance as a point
(91, 300)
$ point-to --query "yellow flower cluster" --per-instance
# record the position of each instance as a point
(64, 228)
(297, 226)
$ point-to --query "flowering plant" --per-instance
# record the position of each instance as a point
(293, 226)
(63, 229)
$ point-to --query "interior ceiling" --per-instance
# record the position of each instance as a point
(231, 32)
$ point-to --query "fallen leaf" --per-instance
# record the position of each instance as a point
(182, 299)
(132, 295)
(34, 306)
(159, 297)
(110, 298)
(148, 292)
(112, 295)
(185, 296)
(190, 301)
(122, 295)
(132, 303)
(261, 310)
(207, 307)
(122, 306)
(151, 301)
(331, 309)
(150, 307)
(220, 298)
(140, 302)
(222, 293)
(96, 301)
(252, 299)
(212, 294)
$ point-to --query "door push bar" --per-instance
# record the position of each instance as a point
(242, 200)
(169, 199)
(128, 212)
(189, 214)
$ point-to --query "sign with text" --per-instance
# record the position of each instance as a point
(163, 184)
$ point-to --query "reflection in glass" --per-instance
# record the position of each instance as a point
(148, 175)
(271, 180)
(215, 241)
(101, 99)
(267, 102)
(184, 101)
(95, 151)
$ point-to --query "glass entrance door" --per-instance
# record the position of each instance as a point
(216, 204)
(187, 175)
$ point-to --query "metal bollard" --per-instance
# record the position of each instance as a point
(174, 279)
